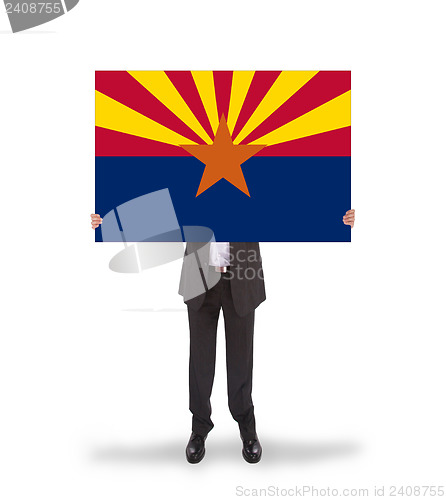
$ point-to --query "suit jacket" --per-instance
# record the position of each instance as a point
(247, 283)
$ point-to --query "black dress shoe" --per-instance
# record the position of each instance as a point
(252, 451)
(195, 448)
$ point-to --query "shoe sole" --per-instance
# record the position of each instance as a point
(251, 460)
(197, 460)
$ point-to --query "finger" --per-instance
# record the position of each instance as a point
(349, 218)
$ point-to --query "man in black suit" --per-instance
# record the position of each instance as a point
(236, 268)
(226, 276)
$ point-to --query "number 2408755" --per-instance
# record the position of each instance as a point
(34, 8)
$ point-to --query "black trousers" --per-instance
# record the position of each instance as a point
(239, 332)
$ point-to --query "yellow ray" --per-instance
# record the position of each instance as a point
(204, 80)
(113, 115)
(241, 81)
(332, 115)
(287, 84)
(159, 85)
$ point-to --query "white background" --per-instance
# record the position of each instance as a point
(349, 370)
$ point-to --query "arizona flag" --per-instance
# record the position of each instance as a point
(252, 155)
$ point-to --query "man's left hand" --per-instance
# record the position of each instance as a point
(349, 218)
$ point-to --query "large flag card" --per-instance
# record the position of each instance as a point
(251, 155)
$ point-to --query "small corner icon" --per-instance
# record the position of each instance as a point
(25, 14)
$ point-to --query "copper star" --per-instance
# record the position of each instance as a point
(223, 159)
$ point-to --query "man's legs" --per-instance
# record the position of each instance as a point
(203, 336)
(239, 360)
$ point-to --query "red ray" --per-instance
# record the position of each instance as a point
(184, 83)
(112, 143)
(122, 87)
(333, 143)
(261, 83)
(323, 87)
(223, 83)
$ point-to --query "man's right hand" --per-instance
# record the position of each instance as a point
(95, 220)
